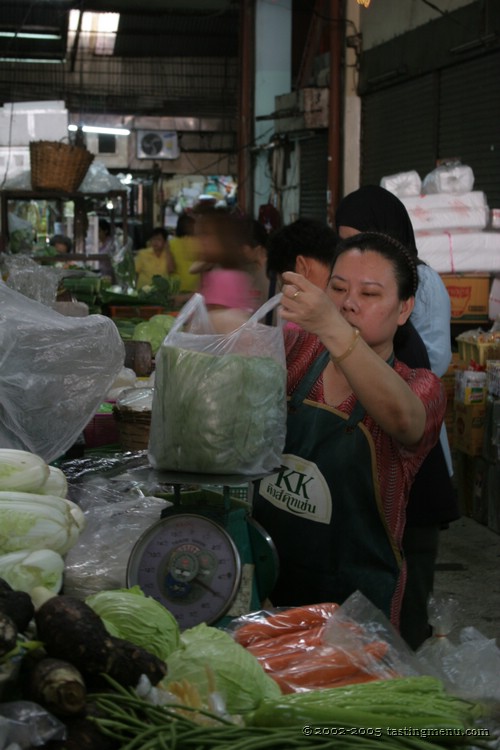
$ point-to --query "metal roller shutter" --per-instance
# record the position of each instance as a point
(398, 130)
(469, 120)
(314, 176)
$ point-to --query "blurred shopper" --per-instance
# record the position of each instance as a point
(154, 260)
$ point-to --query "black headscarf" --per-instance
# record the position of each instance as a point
(375, 209)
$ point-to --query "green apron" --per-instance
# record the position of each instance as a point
(323, 510)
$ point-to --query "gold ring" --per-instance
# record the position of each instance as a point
(296, 294)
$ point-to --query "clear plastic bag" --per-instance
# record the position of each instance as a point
(452, 177)
(113, 493)
(464, 659)
(25, 724)
(28, 277)
(219, 405)
(325, 645)
(55, 370)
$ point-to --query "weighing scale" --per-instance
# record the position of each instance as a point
(206, 559)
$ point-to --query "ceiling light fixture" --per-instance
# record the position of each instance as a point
(37, 60)
(102, 130)
(29, 35)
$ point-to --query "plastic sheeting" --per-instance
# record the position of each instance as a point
(54, 372)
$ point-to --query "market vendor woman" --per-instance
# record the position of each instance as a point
(360, 423)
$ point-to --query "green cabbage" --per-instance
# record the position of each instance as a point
(217, 414)
(207, 653)
(149, 331)
(140, 619)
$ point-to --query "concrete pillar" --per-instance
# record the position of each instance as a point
(273, 77)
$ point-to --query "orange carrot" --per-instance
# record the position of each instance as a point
(302, 639)
(290, 620)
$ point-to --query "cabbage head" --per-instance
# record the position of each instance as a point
(140, 619)
(149, 330)
(207, 652)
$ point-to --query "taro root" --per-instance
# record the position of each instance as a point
(58, 686)
(70, 630)
(17, 605)
(8, 634)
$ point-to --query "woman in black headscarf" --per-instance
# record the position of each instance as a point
(427, 343)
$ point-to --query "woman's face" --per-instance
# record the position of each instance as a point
(363, 286)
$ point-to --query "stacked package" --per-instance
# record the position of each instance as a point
(450, 220)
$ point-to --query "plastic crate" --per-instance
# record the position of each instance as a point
(145, 312)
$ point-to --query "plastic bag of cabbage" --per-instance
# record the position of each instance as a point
(219, 405)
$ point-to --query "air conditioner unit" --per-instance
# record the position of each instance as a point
(157, 144)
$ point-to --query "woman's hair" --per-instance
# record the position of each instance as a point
(185, 225)
(62, 239)
(374, 209)
(308, 237)
(159, 232)
(232, 232)
(403, 261)
(105, 226)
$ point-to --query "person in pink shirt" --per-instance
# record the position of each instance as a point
(225, 284)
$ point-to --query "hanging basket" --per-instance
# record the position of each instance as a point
(58, 166)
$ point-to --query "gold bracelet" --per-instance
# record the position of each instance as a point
(355, 338)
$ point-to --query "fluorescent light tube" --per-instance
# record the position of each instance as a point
(99, 129)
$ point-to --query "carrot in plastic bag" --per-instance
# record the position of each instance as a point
(300, 640)
(330, 657)
(289, 620)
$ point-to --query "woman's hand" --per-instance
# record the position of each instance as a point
(309, 306)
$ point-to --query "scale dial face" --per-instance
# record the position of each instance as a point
(190, 564)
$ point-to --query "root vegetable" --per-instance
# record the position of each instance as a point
(72, 631)
(8, 635)
(82, 733)
(57, 686)
(17, 605)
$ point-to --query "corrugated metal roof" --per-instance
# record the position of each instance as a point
(171, 57)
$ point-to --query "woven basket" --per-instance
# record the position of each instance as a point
(133, 428)
(58, 166)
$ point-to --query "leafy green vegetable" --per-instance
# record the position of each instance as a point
(140, 619)
(26, 569)
(238, 676)
(152, 332)
(217, 414)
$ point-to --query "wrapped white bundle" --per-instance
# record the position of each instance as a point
(403, 183)
(460, 252)
(448, 211)
(452, 178)
(476, 199)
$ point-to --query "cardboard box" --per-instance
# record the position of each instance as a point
(469, 428)
(469, 296)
